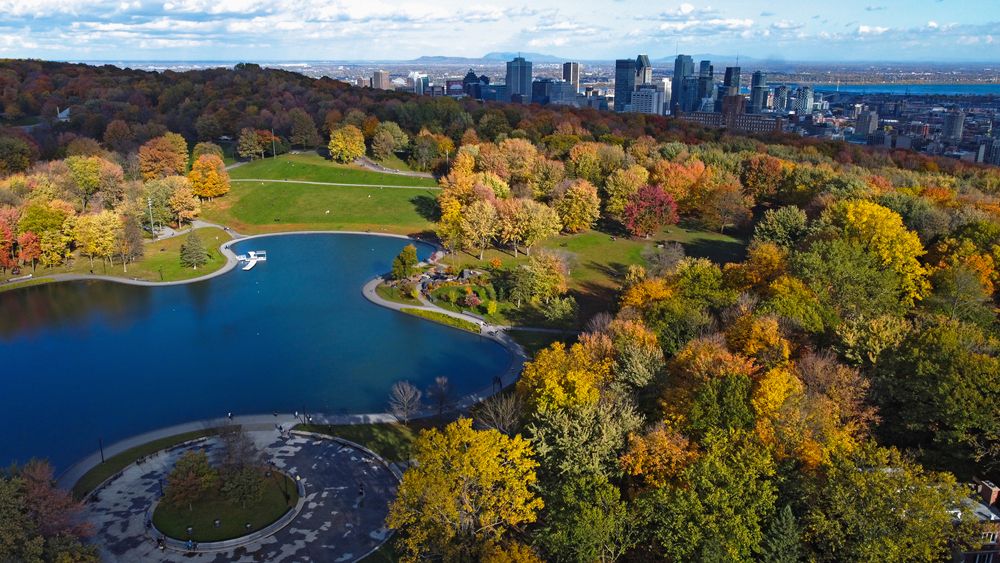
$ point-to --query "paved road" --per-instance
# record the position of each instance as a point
(268, 181)
(336, 523)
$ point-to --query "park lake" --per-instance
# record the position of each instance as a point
(83, 361)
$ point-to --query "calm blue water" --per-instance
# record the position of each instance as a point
(916, 89)
(84, 360)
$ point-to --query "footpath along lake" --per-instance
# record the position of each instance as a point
(81, 361)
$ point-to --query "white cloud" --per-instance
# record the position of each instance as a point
(871, 30)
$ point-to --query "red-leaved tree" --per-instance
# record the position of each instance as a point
(7, 240)
(649, 210)
(29, 248)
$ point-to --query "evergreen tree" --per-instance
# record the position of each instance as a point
(782, 543)
(193, 252)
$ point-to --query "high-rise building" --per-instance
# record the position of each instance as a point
(683, 68)
(624, 83)
(706, 78)
(866, 124)
(571, 74)
(381, 80)
(548, 91)
(993, 153)
(471, 84)
(418, 82)
(649, 99)
(454, 88)
(732, 80)
(781, 98)
(689, 94)
(954, 125)
(643, 70)
(519, 80)
(758, 92)
(730, 86)
(804, 100)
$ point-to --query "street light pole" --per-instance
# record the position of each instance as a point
(149, 202)
(100, 444)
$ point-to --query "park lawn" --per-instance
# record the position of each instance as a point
(314, 168)
(501, 317)
(598, 260)
(114, 464)
(161, 261)
(392, 293)
(396, 163)
(173, 521)
(391, 440)
(444, 319)
(256, 207)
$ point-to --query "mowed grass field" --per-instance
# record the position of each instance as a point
(314, 168)
(256, 207)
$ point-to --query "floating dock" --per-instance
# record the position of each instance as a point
(251, 258)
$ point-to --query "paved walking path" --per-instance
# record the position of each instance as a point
(391, 186)
(376, 167)
(69, 477)
(231, 260)
(485, 328)
(347, 494)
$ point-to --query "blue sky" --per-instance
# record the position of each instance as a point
(844, 30)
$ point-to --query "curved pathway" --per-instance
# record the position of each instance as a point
(337, 522)
(314, 183)
(224, 248)
(376, 167)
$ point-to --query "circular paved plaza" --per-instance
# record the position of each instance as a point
(337, 522)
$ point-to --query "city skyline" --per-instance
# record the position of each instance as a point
(858, 30)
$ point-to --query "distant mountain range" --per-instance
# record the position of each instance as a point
(503, 56)
(494, 57)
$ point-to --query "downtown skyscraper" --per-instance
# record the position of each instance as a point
(519, 80)
(683, 71)
(571, 74)
(758, 92)
(624, 83)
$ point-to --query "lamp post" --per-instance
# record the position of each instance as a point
(274, 154)
(149, 202)
(100, 444)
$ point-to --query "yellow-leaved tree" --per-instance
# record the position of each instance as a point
(208, 177)
(561, 378)
(881, 232)
(466, 489)
(346, 144)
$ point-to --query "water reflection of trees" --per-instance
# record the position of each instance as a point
(26, 311)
